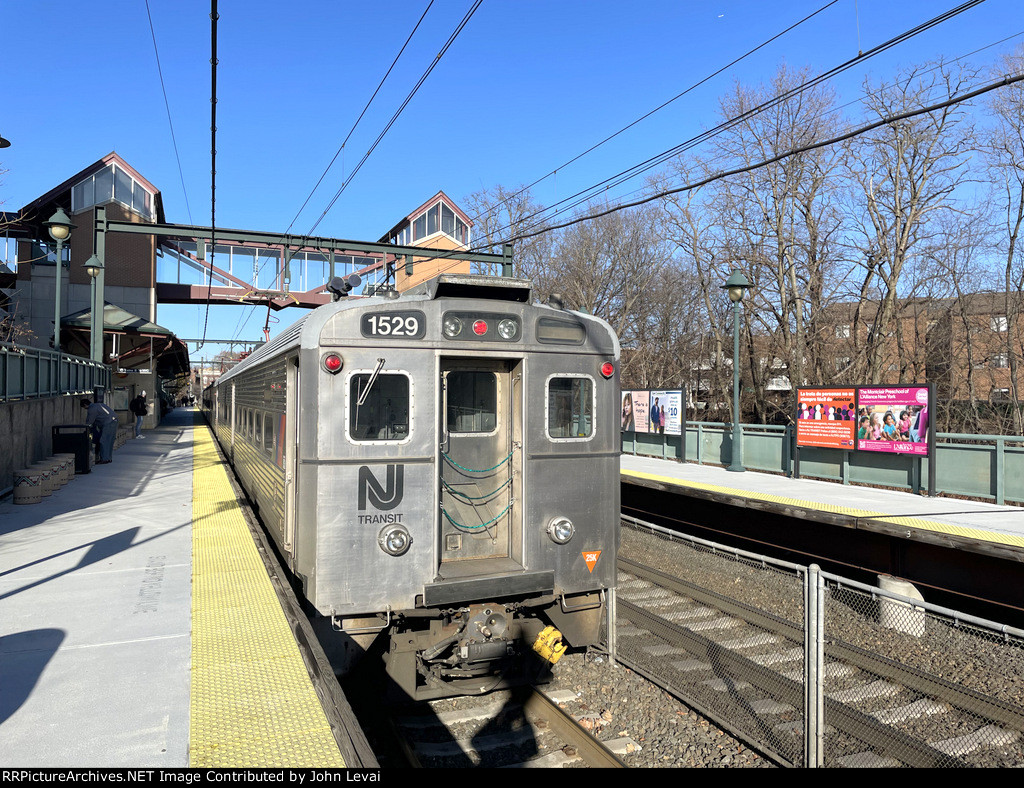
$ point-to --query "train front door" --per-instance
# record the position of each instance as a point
(477, 493)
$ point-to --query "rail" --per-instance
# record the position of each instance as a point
(814, 669)
(987, 467)
(32, 373)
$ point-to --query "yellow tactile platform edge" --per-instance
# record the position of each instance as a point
(908, 522)
(252, 701)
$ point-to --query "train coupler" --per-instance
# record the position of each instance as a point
(549, 645)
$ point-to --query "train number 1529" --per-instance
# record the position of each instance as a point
(401, 325)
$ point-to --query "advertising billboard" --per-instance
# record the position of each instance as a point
(889, 419)
(635, 411)
(894, 419)
(666, 412)
(826, 417)
(658, 412)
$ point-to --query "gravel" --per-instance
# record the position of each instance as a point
(622, 704)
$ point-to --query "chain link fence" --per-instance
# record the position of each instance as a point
(811, 668)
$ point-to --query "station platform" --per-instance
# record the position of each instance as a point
(139, 626)
(976, 526)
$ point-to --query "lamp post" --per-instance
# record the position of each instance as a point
(59, 227)
(736, 285)
(94, 267)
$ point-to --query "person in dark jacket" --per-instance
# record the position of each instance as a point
(140, 408)
(102, 421)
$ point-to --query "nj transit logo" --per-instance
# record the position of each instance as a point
(383, 498)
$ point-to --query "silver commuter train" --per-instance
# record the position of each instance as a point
(440, 471)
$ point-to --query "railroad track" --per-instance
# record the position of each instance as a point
(524, 729)
(732, 660)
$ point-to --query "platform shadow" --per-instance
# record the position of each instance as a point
(25, 656)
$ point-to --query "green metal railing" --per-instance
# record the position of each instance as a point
(988, 467)
(32, 373)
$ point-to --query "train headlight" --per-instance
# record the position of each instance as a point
(394, 539)
(452, 326)
(507, 329)
(561, 530)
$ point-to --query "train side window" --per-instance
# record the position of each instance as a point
(268, 434)
(570, 413)
(472, 401)
(384, 412)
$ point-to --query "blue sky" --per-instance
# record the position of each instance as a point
(525, 87)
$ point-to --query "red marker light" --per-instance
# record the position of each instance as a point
(607, 369)
(332, 363)
(480, 328)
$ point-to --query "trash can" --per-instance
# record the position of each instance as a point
(74, 439)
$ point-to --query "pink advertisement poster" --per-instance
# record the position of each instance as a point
(893, 419)
(826, 418)
(635, 411)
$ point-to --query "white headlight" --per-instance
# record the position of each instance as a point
(452, 326)
(394, 540)
(507, 329)
(561, 530)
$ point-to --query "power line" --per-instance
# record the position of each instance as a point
(391, 122)
(678, 96)
(361, 114)
(793, 152)
(170, 123)
(589, 192)
(405, 103)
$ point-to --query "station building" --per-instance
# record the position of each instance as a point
(143, 354)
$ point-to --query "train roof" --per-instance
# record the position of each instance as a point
(493, 288)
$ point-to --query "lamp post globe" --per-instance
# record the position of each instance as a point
(736, 286)
(94, 268)
(59, 227)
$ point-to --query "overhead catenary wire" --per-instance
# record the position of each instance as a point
(1018, 34)
(1009, 80)
(398, 112)
(604, 185)
(437, 58)
(361, 114)
(167, 105)
(672, 100)
(1006, 81)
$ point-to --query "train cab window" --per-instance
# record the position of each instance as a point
(570, 408)
(378, 407)
(472, 401)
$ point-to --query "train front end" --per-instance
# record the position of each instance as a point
(462, 462)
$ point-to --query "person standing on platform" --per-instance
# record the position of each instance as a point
(139, 407)
(102, 421)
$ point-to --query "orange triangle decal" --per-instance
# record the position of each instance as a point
(590, 558)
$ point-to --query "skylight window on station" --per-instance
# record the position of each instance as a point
(112, 184)
(438, 217)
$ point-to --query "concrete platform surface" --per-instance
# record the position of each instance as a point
(974, 520)
(95, 598)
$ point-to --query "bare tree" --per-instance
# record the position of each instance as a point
(778, 223)
(907, 175)
(609, 266)
(1003, 145)
(501, 213)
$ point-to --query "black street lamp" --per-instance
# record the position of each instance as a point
(59, 227)
(736, 285)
